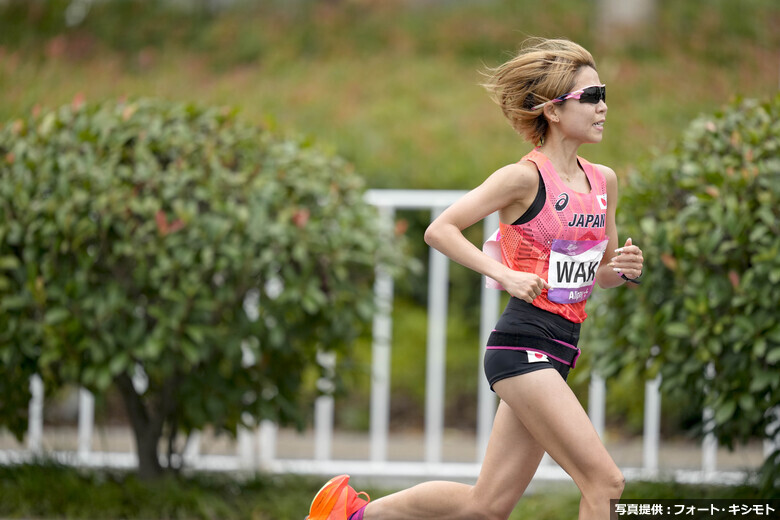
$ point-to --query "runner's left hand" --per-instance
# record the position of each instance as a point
(628, 260)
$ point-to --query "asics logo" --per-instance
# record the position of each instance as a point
(562, 202)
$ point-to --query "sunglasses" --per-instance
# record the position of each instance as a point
(591, 95)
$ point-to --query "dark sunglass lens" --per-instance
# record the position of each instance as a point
(593, 95)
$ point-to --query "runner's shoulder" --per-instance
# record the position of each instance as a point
(520, 177)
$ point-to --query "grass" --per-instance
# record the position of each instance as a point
(49, 491)
(52, 491)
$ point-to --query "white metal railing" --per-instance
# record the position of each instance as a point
(257, 449)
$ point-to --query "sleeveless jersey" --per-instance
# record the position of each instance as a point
(563, 244)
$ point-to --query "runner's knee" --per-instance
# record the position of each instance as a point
(616, 482)
(609, 484)
(486, 509)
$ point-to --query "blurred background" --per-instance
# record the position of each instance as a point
(394, 87)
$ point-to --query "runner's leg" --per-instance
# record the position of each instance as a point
(548, 408)
(510, 462)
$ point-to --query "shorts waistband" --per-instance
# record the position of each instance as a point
(556, 349)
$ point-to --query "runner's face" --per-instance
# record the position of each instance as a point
(583, 121)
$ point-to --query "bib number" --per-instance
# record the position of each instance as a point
(573, 266)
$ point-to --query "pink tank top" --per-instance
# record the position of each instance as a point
(563, 244)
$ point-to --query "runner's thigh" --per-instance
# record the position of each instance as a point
(511, 460)
(550, 411)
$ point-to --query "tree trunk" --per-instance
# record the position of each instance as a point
(149, 466)
(147, 436)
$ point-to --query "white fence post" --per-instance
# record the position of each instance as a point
(486, 399)
(244, 450)
(35, 411)
(323, 409)
(191, 453)
(323, 427)
(267, 441)
(709, 447)
(382, 331)
(438, 279)
(597, 397)
(772, 441)
(86, 423)
(652, 433)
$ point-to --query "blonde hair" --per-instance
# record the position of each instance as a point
(542, 70)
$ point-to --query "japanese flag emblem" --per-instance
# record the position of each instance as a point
(536, 357)
(602, 201)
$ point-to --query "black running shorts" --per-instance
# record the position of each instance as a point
(524, 319)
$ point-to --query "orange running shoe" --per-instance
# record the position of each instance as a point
(336, 500)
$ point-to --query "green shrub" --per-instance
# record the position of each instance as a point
(175, 242)
(707, 216)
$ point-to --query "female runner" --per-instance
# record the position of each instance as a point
(557, 238)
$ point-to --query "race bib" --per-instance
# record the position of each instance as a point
(573, 266)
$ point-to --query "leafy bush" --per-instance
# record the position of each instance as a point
(197, 263)
(707, 216)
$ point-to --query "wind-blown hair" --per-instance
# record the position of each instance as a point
(542, 70)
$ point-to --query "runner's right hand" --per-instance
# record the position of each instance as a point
(525, 286)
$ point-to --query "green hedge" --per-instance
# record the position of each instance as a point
(707, 216)
(178, 241)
